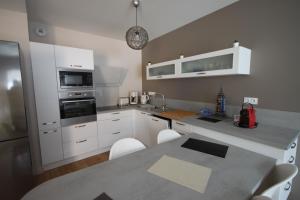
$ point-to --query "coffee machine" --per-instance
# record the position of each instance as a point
(134, 97)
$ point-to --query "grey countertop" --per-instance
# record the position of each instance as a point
(274, 136)
(235, 177)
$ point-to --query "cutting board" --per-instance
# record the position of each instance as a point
(177, 114)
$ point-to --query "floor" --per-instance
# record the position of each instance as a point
(72, 167)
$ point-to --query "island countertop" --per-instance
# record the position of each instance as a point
(270, 135)
(235, 177)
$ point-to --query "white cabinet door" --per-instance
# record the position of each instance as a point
(68, 57)
(51, 146)
(141, 131)
(111, 130)
(155, 125)
(181, 127)
(45, 85)
(79, 139)
(79, 131)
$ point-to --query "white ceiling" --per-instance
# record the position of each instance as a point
(111, 18)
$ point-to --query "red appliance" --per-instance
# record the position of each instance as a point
(247, 116)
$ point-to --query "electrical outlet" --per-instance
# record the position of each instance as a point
(251, 100)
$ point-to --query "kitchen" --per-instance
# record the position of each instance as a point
(78, 118)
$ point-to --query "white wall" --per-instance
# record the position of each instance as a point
(107, 53)
(14, 27)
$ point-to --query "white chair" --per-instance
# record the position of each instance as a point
(261, 198)
(167, 135)
(124, 147)
(282, 175)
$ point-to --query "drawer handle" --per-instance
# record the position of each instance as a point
(180, 124)
(81, 141)
(49, 123)
(291, 160)
(75, 66)
(293, 145)
(201, 73)
(116, 133)
(116, 113)
(46, 132)
(156, 120)
(80, 126)
(115, 120)
(288, 186)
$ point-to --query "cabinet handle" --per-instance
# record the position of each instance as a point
(49, 123)
(200, 73)
(288, 186)
(291, 159)
(116, 113)
(75, 66)
(116, 133)
(159, 76)
(115, 120)
(80, 126)
(156, 120)
(293, 145)
(180, 124)
(81, 141)
(46, 132)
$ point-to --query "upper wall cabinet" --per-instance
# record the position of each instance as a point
(68, 57)
(232, 61)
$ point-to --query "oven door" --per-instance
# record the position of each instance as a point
(73, 79)
(75, 111)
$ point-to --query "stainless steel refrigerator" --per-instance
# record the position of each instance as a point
(15, 163)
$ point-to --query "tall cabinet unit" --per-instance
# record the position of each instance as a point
(46, 97)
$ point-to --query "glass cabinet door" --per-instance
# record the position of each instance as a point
(208, 64)
(162, 70)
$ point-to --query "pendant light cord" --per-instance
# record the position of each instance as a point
(136, 16)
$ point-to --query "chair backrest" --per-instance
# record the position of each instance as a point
(282, 175)
(124, 147)
(167, 135)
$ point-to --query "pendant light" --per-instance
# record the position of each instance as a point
(136, 36)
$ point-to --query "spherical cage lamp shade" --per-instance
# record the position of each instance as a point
(137, 37)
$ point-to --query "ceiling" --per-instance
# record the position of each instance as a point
(111, 18)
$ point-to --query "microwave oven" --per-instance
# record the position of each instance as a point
(75, 79)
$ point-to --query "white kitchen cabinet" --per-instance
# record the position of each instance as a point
(80, 138)
(51, 146)
(142, 132)
(232, 61)
(45, 85)
(112, 129)
(181, 127)
(69, 57)
(165, 70)
(155, 125)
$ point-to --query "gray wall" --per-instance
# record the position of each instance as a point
(269, 27)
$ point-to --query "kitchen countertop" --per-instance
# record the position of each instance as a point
(274, 136)
(234, 177)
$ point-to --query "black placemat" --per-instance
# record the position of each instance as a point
(103, 196)
(206, 147)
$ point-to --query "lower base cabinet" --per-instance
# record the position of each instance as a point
(111, 130)
(79, 139)
(147, 128)
(51, 146)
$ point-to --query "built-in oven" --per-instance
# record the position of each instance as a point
(77, 107)
(72, 79)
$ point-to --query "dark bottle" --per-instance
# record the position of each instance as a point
(220, 108)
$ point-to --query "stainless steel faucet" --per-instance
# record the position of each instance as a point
(164, 105)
